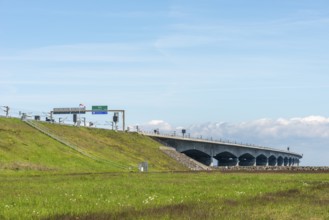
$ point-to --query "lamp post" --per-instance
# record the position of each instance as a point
(6, 110)
(79, 121)
(183, 132)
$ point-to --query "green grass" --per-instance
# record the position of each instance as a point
(43, 179)
(124, 148)
(22, 149)
(165, 196)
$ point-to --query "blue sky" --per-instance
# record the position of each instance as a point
(181, 62)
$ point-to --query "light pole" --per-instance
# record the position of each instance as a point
(84, 121)
(116, 120)
(79, 121)
(183, 132)
(6, 110)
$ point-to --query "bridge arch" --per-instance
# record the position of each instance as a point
(199, 156)
(261, 160)
(226, 159)
(285, 161)
(280, 161)
(247, 160)
(272, 161)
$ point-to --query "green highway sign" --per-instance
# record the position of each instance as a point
(99, 110)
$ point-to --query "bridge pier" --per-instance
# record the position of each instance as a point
(214, 162)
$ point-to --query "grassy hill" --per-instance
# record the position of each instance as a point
(24, 148)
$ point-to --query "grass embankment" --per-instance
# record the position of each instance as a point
(166, 196)
(127, 149)
(23, 148)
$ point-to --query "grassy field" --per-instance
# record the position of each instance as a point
(43, 179)
(165, 196)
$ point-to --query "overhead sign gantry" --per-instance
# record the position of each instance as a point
(96, 110)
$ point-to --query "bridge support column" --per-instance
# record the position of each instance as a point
(214, 162)
(237, 162)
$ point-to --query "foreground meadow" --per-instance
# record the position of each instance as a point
(165, 196)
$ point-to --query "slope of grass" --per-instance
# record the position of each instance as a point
(166, 196)
(127, 149)
(23, 148)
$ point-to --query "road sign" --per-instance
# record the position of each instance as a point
(99, 110)
(69, 110)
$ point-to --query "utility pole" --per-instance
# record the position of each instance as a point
(116, 120)
(6, 110)
(123, 120)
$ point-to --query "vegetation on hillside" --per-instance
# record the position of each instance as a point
(24, 148)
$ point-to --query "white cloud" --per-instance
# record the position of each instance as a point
(157, 124)
(307, 127)
(305, 135)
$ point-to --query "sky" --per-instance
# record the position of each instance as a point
(221, 68)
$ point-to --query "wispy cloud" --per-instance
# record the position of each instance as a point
(183, 41)
(281, 32)
(86, 53)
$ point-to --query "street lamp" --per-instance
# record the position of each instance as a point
(183, 132)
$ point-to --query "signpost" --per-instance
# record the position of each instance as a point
(99, 110)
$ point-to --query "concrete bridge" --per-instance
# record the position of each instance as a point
(218, 153)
